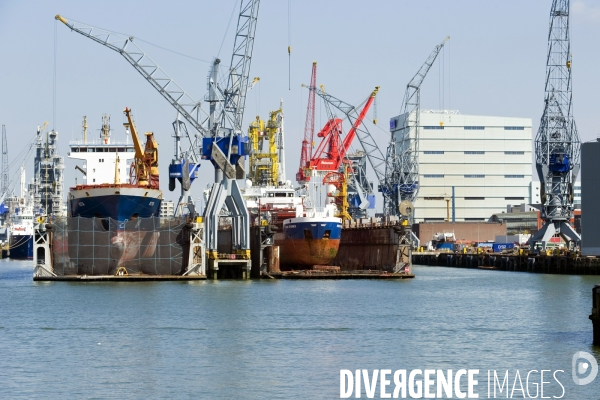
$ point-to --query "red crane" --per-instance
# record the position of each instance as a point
(332, 150)
(309, 130)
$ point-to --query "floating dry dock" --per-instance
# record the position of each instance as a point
(80, 249)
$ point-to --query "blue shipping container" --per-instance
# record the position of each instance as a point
(498, 247)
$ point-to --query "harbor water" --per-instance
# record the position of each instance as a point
(285, 339)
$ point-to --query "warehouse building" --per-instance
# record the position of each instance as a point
(486, 160)
(590, 226)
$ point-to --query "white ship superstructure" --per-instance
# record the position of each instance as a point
(99, 157)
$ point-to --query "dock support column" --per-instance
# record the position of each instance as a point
(595, 317)
(404, 252)
(197, 254)
(42, 250)
(246, 270)
(213, 266)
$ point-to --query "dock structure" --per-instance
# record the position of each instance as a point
(549, 264)
(97, 249)
(159, 249)
(374, 244)
(595, 317)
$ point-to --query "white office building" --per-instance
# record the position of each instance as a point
(167, 209)
(487, 160)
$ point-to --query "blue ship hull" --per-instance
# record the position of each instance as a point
(312, 230)
(121, 204)
(21, 247)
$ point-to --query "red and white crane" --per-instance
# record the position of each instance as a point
(332, 150)
(303, 174)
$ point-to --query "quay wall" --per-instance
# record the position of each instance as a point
(549, 264)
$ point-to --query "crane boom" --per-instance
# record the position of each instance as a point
(309, 130)
(402, 166)
(241, 59)
(163, 83)
(139, 152)
(374, 154)
(332, 150)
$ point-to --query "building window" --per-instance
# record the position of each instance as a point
(474, 219)
(475, 176)
(433, 198)
(433, 176)
(433, 127)
(433, 152)
(474, 152)
(474, 128)
(514, 153)
(514, 176)
(514, 128)
(474, 198)
(514, 198)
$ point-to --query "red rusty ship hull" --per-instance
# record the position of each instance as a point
(306, 252)
(308, 241)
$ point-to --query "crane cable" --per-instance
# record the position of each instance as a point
(54, 78)
(227, 29)
(289, 45)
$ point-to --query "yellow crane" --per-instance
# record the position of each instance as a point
(146, 159)
(340, 194)
(264, 166)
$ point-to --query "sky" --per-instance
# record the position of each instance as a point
(494, 63)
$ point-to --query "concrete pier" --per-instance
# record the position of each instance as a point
(571, 264)
(595, 317)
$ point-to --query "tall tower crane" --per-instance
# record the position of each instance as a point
(303, 174)
(402, 158)
(220, 137)
(557, 144)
